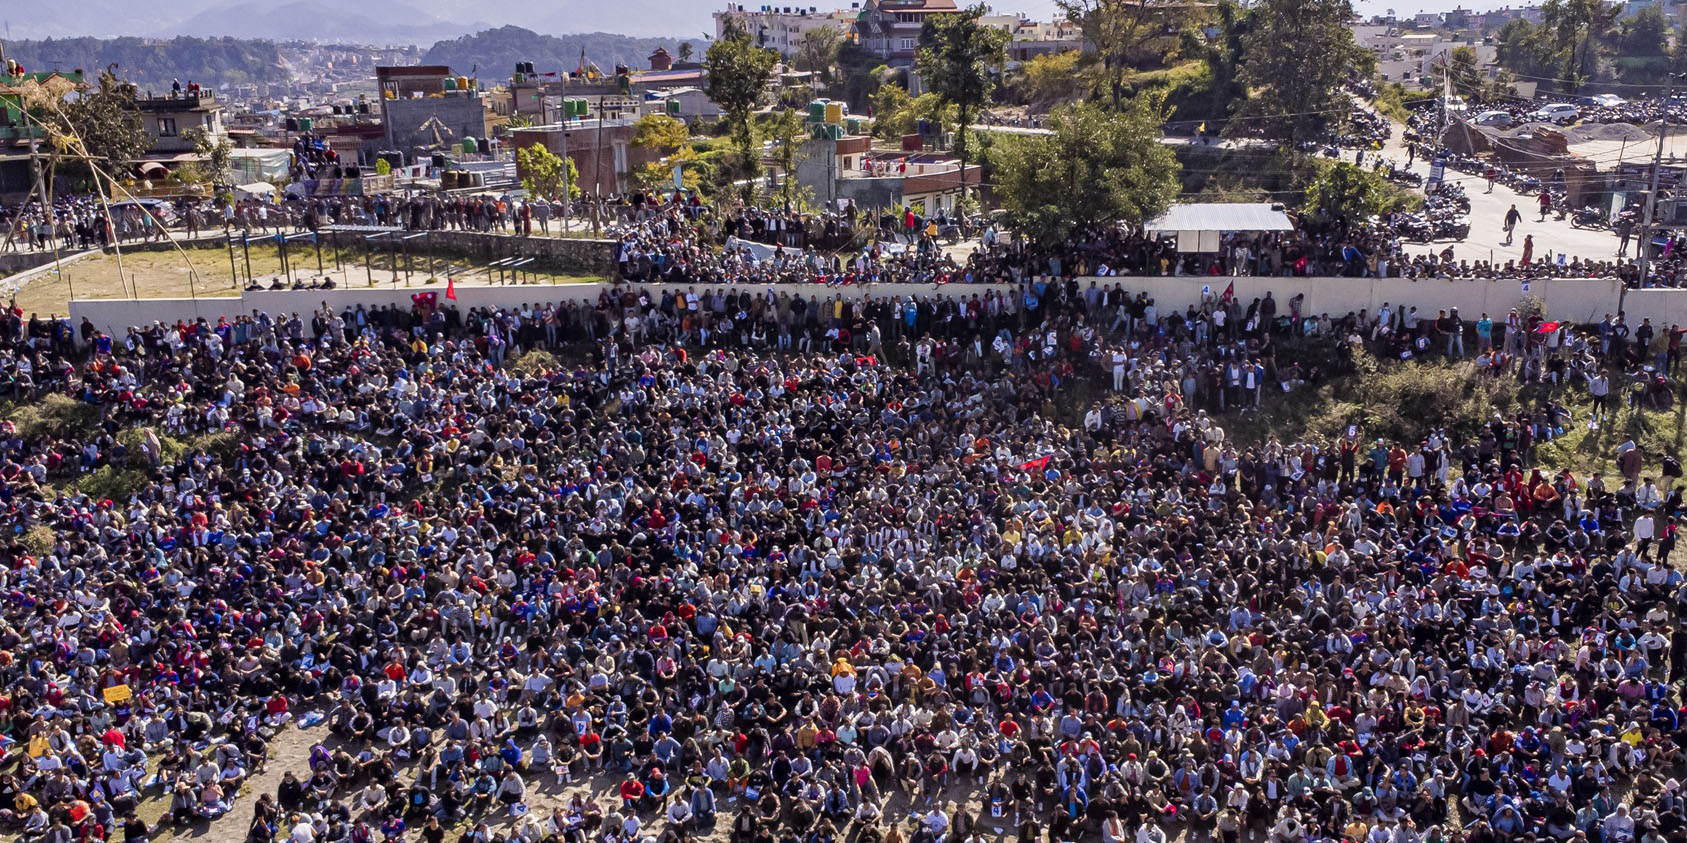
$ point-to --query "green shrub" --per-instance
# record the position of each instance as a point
(1405, 401)
(110, 483)
(55, 414)
(38, 540)
(535, 362)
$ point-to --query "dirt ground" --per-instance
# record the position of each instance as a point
(205, 273)
(290, 750)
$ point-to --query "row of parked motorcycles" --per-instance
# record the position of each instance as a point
(1445, 216)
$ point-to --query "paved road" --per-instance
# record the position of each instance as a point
(1487, 222)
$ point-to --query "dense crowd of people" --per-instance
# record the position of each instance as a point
(806, 565)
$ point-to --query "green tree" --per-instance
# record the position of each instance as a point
(817, 52)
(1343, 196)
(1052, 77)
(1299, 55)
(1528, 50)
(1641, 53)
(217, 155)
(686, 51)
(1097, 167)
(1121, 32)
(659, 133)
(669, 139)
(1463, 74)
(542, 173)
(784, 132)
(101, 127)
(1579, 30)
(896, 114)
(957, 57)
(891, 117)
(738, 72)
(1222, 56)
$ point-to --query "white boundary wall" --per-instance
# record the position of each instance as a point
(1583, 301)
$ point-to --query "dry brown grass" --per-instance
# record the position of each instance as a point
(165, 275)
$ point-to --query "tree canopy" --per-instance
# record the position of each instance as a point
(1298, 57)
(958, 56)
(1098, 167)
(738, 71)
(542, 172)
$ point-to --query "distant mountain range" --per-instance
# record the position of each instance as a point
(390, 21)
(492, 54)
(496, 51)
(155, 63)
(375, 22)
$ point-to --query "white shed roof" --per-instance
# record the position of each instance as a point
(1222, 216)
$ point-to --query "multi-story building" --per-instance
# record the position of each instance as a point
(424, 109)
(782, 27)
(1034, 38)
(891, 28)
(169, 116)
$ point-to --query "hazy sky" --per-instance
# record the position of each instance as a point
(678, 18)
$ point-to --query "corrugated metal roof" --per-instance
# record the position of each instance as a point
(1222, 216)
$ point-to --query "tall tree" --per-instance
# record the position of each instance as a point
(543, 172)
(957, 58)
(1120, 32)
(784, 131)
(1463, 74)
(1098, 166)
(738, 72)
(1641, 51)
(216, 153)
(686, 51)
(1299, 55)
(1579, 30)
(101, 127)
(667, 140)
(817, 52)
(1222, 55)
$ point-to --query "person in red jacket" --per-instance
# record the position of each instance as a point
(632, 790)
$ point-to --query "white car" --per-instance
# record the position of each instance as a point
(1498, 119)
(1561, 113)
(1607, 100)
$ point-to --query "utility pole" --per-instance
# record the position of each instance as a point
(1651, 195)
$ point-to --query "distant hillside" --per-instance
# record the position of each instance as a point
(152, 63)
(371, 21)
(496, 51)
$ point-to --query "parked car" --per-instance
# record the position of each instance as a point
(1561, 113)
(1606, 100)
(1498, 119)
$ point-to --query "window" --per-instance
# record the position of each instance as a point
(620, 158)
(906, 44)
(166, 127)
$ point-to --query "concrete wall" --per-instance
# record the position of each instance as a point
(115, 315)
(560, 254)
(1578, 300)
(1663, 307)
(411, 130)
(15, 262)
(1582, 301)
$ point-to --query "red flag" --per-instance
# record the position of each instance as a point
(451, 288)
(1229, 292)
(1547, 327)
(1036, 464)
